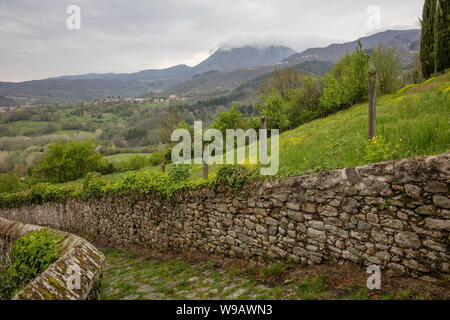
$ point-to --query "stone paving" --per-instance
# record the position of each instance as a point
(130, 278)
(127, 277)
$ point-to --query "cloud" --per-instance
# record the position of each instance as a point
(128, 36)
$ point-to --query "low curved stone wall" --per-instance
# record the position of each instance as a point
(76, 275)
(393, 214)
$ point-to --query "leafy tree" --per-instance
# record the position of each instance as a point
(333, 95)
(135, 133)
(184, 125)
(341, 66)
(233, 119)
(442, 36)
(348, 82)
(283, 81)
(68, 161)
(168, 125)
(228, 120)
(386, 62)
(304, 102)
(276, 112)
(356, 77)
(427, 39)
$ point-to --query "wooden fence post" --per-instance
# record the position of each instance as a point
(263, 122)
(205, 163)
(163, 167)
(263, 143)
(372, 103)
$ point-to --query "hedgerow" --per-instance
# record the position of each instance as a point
(143, 181)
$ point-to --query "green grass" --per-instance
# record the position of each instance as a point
(124, 156)
(312, 289)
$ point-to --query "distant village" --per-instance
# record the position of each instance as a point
(8, 109)
(172, 97)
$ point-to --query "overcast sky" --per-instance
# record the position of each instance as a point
(132, 35)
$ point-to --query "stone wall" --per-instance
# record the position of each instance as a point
(79, 260)
(393, 214)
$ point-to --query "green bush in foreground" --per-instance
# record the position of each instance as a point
(30, 255)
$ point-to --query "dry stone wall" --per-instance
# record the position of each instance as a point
(77, 275)
(394, 214)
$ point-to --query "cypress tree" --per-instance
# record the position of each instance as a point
(427, 38)
(441, 36)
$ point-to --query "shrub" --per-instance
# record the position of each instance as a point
(10, 183)
(92, 186)
(234, 176)
(156, 158)
(146, 181)
(7, 285)
(30, 255)
(137, 162)
(44, 192)
(107, 167)
(68, 161)
(179, 172)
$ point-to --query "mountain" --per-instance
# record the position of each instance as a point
(225, 69)
(92, 86)
(224, 59)
(217, 82)
(229, 59)
(405, 40)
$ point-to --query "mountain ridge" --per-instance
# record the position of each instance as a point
(92, 86)
(334, 51)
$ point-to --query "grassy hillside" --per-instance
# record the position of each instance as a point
(414, 121)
